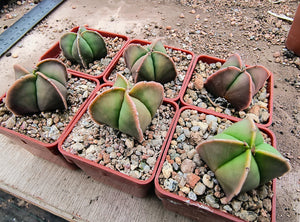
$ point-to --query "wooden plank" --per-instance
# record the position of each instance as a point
(71, 194)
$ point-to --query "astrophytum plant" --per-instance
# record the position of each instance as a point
(240, 158)
(44, 89)
(125, 109)
(150, 63)
(83, 47)
(237, 83)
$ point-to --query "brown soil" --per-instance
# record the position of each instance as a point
(217, 28)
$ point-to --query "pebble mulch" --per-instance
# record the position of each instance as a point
(113, 44)
(118, 151)
(197, 95)
(48, 126)
(182, 62)
(185, 174)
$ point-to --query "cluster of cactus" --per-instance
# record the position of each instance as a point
(237, 83)
(44, 89)
(83, 47)
(240, 158)
(129, 110)
(150, 63)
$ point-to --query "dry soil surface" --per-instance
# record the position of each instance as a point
(213, 27)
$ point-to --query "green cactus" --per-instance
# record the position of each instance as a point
(240, 158)
(83, 47)
(42, 90)
(237, 83)
(128, 110)
(150, 63)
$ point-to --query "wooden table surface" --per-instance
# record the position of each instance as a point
(71, 194)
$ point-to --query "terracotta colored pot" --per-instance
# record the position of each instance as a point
(114, 178)
(55, 50)
(209, 59)
(110, 70)
(44, 150)
(194, 209)
(293, 39)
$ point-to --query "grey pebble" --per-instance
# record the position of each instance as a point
(192, 196)
(210, 200)
(236, 205)
(199, 189)
(187, 166)
(167, 169)
(171, 184)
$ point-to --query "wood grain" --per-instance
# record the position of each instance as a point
(72, 194)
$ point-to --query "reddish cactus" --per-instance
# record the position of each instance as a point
(150, 63)
(237, 83)
(42, 90)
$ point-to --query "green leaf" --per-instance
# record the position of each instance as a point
(54, 70)
(121, 81)
(132, 53)
(149, 93)
(270, 162)
(51, 94)
(143, 69)
(128, 120)
(96, 43)
(165, 70)
(106, 107)
(217, 152)
(233, 174)
(66, 44)
(85, 52)
(21, 96)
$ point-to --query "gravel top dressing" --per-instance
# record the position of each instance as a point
(185, 174)
(48, 126)
(197, 95)
(182, 62)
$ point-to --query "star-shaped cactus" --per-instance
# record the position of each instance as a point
(237, 83)
(83, 47)
(125, 109)
(240, 158)
(42, 90)
(150, 63)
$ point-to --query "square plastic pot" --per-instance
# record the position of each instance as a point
(194, 209)
(175, 98)
(209, 59)
(55, 50)
(48, 151)
(114, 178)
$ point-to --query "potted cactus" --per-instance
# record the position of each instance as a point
(41, 103)
(119, 138)
(130, 111)
(42, 90)
(150, 63)
(217, 169)
(83, 47)
(88, 51)
(146, 61)
(230, 87)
